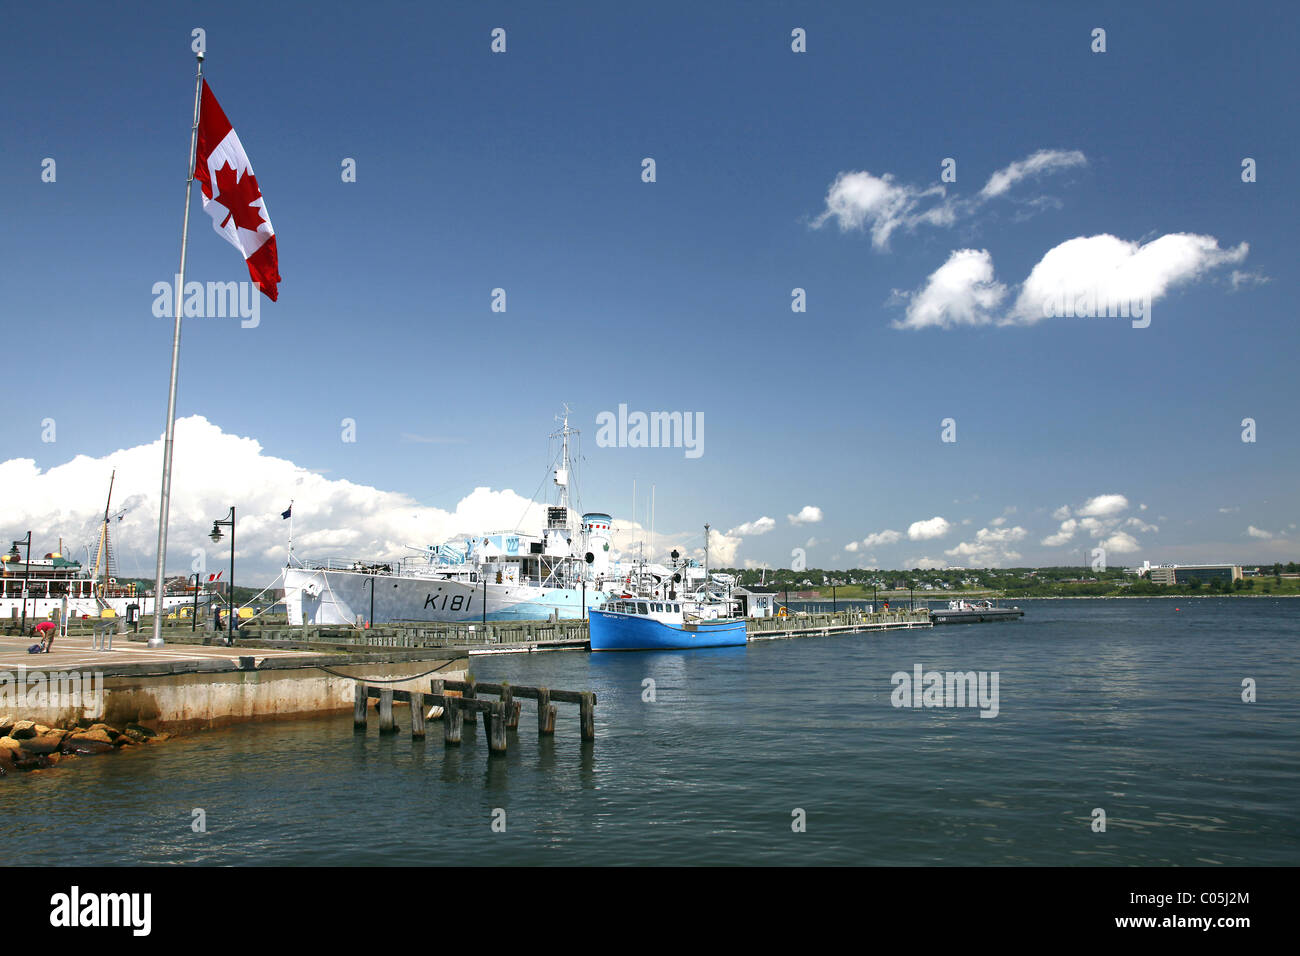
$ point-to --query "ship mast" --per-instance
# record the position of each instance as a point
(102, 554)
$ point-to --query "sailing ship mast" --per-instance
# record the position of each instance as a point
(102, 555)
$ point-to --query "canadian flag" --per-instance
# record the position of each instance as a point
(214, 577)
(231, 195)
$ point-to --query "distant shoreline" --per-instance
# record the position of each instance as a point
(1140, 597)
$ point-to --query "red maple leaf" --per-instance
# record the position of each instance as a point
(238, 195)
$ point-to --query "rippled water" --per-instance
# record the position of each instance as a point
(1132, 706)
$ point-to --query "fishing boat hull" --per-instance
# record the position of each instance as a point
(625, 632)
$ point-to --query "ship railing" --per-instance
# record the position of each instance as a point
(352, 564)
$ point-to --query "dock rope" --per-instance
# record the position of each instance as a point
(376, 680)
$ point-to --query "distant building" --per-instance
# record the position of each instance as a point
(1183, 573)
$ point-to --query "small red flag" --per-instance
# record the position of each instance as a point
(231, 195)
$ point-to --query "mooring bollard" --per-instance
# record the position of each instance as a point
(417, 715)
(386, 725)
(497, 721)
(545, 712)
(451, 724)
(588, 710)
(359, 707)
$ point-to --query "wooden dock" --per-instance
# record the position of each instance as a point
(460, 703)
(517, 637)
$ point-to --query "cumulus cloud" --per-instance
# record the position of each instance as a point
(808, 514)
(1063, 535)
(1061, 513)
(1086, 276)
(881, 537)
(859, 200)
(935, 527)
(212, 469)
(991, 547)
(1258, 532)
(1101, 517)
(760, 526)
(1103, 506)
(962, 291)
(1090, 272)
(882, 205)
(1121, 542)
(926, 564)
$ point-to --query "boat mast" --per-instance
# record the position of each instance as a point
(102, 555)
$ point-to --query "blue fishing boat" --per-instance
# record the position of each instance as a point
(646, 624)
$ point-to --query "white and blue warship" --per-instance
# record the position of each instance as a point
(502, 576)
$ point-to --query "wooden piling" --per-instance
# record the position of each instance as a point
(417, 715)
(386, 724)
(588, 713)
(511, 708)
(359, 707)
(470, 692)
(545, 712)
(451, 723)
(497, 723)
(436, 686)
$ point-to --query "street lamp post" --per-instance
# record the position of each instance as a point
(27, 572)
(215, 535)
(194, 615)
(370, 621)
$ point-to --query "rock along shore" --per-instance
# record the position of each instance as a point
(26, 745)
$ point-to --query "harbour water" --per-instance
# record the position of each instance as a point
(1131, 706)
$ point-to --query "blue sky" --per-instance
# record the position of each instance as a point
(522, 171)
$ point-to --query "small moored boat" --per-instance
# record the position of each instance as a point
(645, 624)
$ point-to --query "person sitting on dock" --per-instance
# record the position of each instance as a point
(46, 631)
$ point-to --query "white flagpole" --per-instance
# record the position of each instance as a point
(160, 584)
(290, 560)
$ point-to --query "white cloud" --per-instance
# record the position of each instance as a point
(1239, 279)
(722, 549)
(859, 200)
(1061, 513)
(1258, 532)
(1139, 524)
(1089, 275)
(881, 537)
(808, 514)
(1104, 506)
(962, 291)
(212, 470)
(1043, 161)
(1121, 542)
(991, 547)
(1066, 532)
(926, 564)
(852, 547)
(935, 527)
(760, 526)
(1104, 269)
